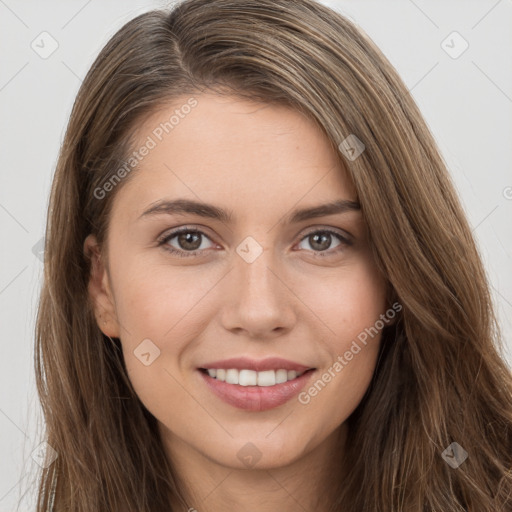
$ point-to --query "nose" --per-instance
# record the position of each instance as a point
(260, 302)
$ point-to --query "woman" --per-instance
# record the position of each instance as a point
(326, 342)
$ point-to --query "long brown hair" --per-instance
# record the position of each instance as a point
(440, 376)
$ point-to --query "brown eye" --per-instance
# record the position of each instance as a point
(189, 242)
(321, 241)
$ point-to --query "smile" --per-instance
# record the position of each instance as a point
(255, 391)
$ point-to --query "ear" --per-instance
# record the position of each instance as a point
(99, 289)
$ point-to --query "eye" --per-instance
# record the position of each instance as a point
(190, 242)
(321, 240)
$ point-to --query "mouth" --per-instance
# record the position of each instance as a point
(255, 391)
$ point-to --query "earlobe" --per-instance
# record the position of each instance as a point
(99, 289)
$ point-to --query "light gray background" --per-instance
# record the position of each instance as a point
(467, 102)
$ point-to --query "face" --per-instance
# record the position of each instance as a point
(245, 287)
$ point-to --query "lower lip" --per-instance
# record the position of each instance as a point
(257, 398)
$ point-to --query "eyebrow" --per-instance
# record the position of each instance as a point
(184, 206)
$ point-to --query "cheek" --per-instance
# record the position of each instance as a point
(159, 301)
(157, 313)
(348, 302)
(166, 306)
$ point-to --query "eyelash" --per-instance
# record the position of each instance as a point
(162, 242)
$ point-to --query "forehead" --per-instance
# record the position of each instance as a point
(224, 148)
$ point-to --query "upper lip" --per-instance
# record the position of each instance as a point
(245, 363)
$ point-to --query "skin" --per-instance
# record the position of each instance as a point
(259, 162)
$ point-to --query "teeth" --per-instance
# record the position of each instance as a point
(232, 376)
(253, 378)
(267, 378)
(247, 378)
(281, 376)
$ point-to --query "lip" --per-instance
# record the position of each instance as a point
(245, 363)
(256, 398)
